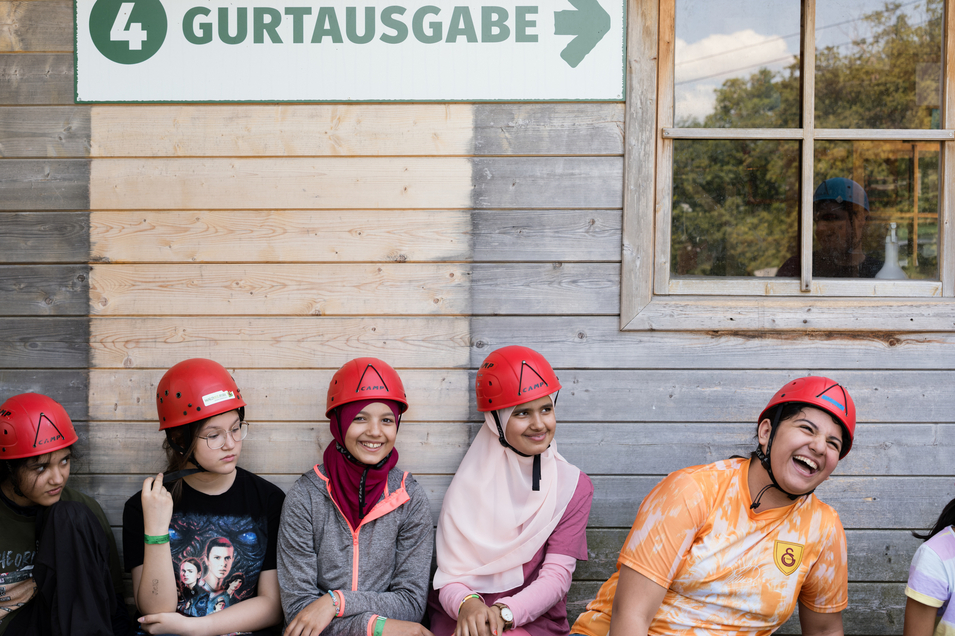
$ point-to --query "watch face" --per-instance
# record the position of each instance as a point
(507, 614)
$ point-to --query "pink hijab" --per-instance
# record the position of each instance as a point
(356, 487)
(492, 522)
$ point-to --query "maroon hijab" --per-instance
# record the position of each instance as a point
(356, 487)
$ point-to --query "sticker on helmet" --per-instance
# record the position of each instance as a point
(218, 396)
(787, 556)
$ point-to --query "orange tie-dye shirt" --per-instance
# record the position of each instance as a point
(728, 569)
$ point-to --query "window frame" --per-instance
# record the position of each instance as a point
(652, 300)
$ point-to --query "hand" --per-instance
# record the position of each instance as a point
(15, 595)
(169, 623)
(394, 627)
(312, 620)
(477, 619)
(157, 506)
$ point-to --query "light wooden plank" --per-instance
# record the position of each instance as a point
(267, 289)
(547, 182)
(44, 290)
(69, 387)
(45, 131)
(879, 134)
(570, 128)
(807, 147)
(639, 166)
(36, 78)
(44, 237)
(45, 25)
(664, 147)
(858, 315)
(874, 555)
(286, 183)
(597, 449)
(596, 342)
(299, 236)
(286, 448)
(546, 235)
(675, 395)
(280, 343)
(341, 236)
(875, 609)
(862, 502)
(278, 395)
(845, 288)
(51, 343)
(548, 288)
(44, 184)
(285, 130)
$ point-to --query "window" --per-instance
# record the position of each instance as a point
(736, 115)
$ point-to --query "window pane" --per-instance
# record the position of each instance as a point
(878, 64)
(898, 182)
(737, 64)
(735, 206)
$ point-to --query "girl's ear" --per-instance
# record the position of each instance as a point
(762, 432)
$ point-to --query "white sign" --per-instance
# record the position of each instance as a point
(291, 50)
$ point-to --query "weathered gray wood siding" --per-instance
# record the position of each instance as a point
(284, 240)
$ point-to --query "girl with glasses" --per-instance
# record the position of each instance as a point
(204, 517)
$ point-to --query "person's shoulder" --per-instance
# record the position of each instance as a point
(821, 512)
(585, 486)
(398, 478)
(71, 494)
(251, 479)
(942, 543)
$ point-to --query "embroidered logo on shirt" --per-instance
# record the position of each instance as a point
(787, 556)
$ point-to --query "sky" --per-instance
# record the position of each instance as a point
(717, 40)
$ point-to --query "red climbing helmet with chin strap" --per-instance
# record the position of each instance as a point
(32, 424)
(513, 375)
(194, 390)
(822, 393)
(365, 379)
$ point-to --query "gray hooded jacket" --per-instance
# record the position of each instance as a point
(382, 568)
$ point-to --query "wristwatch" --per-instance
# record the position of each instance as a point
(506, 614)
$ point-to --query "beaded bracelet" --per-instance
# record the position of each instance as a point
(379, 625)
(156, 539)
(335, 603)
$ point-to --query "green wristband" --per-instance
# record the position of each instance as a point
(156, 539)
(379, 625)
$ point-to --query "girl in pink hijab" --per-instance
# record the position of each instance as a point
(514, 519)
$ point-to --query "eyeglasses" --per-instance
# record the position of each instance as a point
(216, 440)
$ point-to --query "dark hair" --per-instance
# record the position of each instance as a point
(238, 576)
(218, 542)
(945, 519)
(12, 469)
(185, 437)
(788, 410)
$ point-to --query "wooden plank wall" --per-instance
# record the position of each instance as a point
(282, 240)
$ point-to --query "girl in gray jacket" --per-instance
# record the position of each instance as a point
(355, 540)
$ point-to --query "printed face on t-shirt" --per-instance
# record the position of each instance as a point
(219, 562)
(188, 573)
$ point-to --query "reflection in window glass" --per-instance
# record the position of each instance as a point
(735, 206)
(737, 64)
(878, 63)
(861, 188)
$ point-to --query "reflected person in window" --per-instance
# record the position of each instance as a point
(840, 210)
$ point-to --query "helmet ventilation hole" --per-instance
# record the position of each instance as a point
(184, 413)
(198, 408)
(178, 395)
(167, 392)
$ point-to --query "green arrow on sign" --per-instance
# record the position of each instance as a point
(589, 23)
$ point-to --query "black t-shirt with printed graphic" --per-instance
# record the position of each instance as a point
(225, 541)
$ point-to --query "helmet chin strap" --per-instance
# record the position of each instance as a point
(536, 469)
(185, 472)
(767, 464)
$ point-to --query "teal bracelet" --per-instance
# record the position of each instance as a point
(379, 625)
(156, 539)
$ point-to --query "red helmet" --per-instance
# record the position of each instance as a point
(193, 390)
(365, 379)
(511, 376)
(822, 393)
(32, 424)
